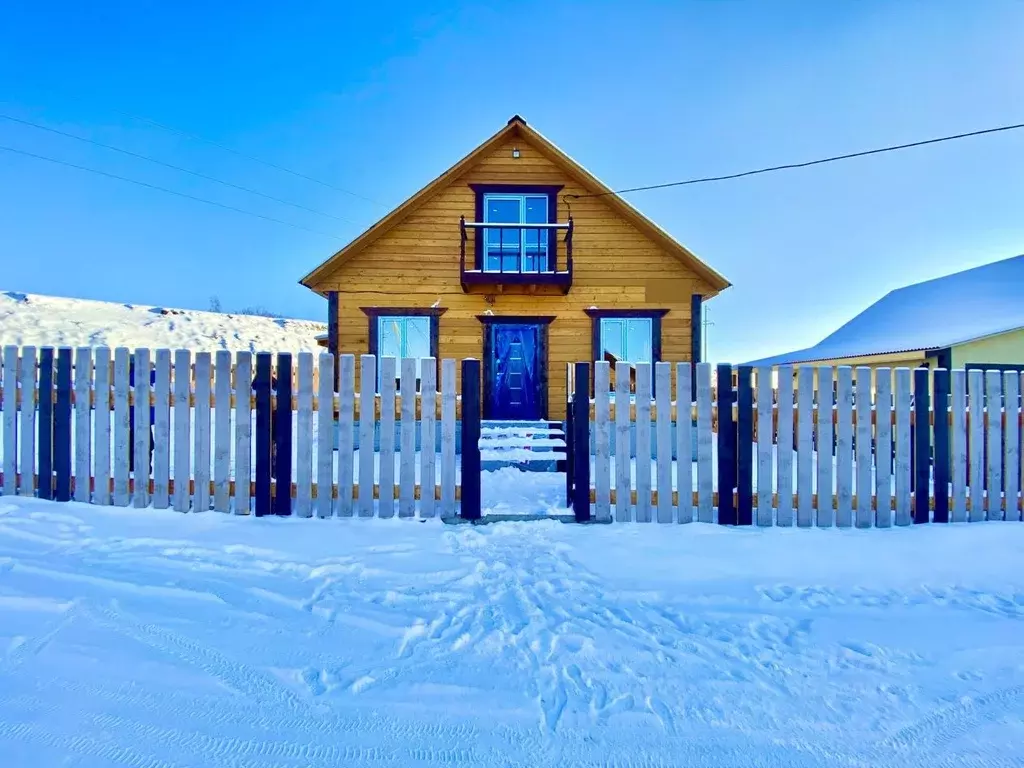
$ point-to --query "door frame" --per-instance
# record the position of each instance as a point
(541, 322)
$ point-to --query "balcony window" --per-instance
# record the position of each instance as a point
(516, 248)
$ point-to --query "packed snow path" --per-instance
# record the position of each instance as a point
(143, 638)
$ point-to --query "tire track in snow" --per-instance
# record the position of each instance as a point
(280, 709)
(943, 726)
(83, 746)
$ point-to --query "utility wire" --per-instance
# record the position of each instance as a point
(169, 191)
(153, 160)
(252, 158)
(790, 166)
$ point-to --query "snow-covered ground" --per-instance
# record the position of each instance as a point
(32, 319)
(136, 637)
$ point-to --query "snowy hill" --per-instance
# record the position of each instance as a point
(32, 319)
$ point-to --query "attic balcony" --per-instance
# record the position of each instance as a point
(500, 255)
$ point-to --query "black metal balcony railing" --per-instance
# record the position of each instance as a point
(516, 254)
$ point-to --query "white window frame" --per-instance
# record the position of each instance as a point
(543, 250)
(402, 320)
(624, 331)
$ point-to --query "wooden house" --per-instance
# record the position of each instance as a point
(517, 256)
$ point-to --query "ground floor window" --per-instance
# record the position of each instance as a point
(626, 335)
(627, 339)
(403, 333)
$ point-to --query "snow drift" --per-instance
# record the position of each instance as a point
(36, 320)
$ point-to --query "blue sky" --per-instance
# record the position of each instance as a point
(378, 98)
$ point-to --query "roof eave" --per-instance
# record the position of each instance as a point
(516, 125)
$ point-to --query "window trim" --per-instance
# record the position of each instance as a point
(480, 190)
(597, 315)
(374, 314)
(543, 243)
(542, 322)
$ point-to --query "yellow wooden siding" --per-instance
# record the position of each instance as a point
(1004, 348)
(417, 263)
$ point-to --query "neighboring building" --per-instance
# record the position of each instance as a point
(498, 259)
(971, 319)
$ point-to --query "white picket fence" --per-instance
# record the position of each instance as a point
(70, 422)
(868, 415)
(205, 433)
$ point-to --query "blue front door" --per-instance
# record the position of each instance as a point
(514, 372)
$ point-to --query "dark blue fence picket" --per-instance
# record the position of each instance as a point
(922, 444)
(726, 448)
(471, 502)
(62, 426)
(262, 385)
(581, 441)
(940, 463)
(44, 444)
(282, 430)
(745, 447)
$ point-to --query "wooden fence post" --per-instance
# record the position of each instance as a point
(940, 463)
(283, 436)
(744, 447)
(569, 442)
(581, 443)
(45, 442)
(62, 426)
(263, 423)
(726, 448)
(922, 445)
(471, 505)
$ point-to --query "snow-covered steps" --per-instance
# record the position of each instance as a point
(531, 445)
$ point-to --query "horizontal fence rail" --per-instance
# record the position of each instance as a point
(243, 433)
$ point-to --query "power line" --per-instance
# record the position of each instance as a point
(790, 166)
(252, 158)
(168, 191)
(153, 160)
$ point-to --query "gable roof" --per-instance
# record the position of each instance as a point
(979, 302)
(517, 127)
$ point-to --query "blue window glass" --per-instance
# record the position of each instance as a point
(626, 338)
(403, 336)
(515, 249)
